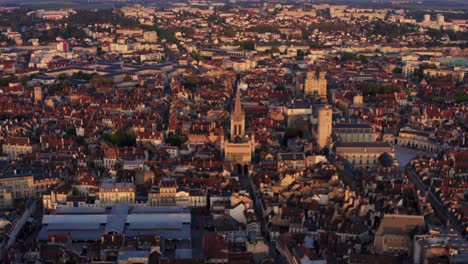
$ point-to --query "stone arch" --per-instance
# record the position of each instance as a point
(242, 169)
(238, 168)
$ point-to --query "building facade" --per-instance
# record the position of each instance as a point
(314, 84)
(25, 186)
(240, 147)
(363, 154)
(6, 197)
(354, 132)
(16, 146)
(324, 128)
(392, 236)
(117, 192)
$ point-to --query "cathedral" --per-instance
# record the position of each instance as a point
(316, 84)
(240, 147)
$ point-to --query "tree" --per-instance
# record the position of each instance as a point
(128, 78)
(120, 138)
(196, 56)
(8, 41)
(397, 70)
(96, 81)
(436, 99)
(71, 131)
(346, 56)
(373, 89)
(291, 133)
(279, 87)
(188, 31)
(300, 54)
(264, 28)
(7, 80)
(91, 17)
(24, 80)
(460, 97)
(247, 44)
(273, 50)
(390, 30)
(192, 81)
(364, 59)
(332, 27)
(63, 76)
(228, 32)
(82, 76)
(419, 73)
(204, 175)
(175, 140)
(58, 86)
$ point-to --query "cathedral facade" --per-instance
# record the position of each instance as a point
(240, 147)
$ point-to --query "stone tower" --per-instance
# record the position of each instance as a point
(324, 128)
(37, 94)
(237, 118)
(316, 84)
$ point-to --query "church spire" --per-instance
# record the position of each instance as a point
(238, 112)
(237, 118)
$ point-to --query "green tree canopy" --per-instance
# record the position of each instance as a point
(120, 138)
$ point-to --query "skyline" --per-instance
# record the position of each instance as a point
(236, 132)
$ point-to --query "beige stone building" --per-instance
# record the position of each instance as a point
(324, 127)
(354, 132)
(164, 194)
(38, 94)
(150, 36)
(392, 236)
(419, 139)
(315, 84)
(363, 154)
(16, 146)
(6, 197)
(122, 192)
(295, 160)
(240, 147)
(25, 186)
(297, 13)
(129, 31)
(167, 194)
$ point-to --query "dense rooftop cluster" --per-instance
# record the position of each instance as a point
(212, 132)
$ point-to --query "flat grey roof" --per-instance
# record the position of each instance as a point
(79, 210)
(117, 218)
(74, 226)
(159, 218)
(183, 233)
(91, 223)
(76, 235)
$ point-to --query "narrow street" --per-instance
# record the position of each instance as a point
(245, 183)
(440, 210)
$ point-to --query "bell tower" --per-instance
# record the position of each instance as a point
(237, 118)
